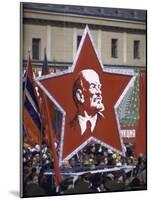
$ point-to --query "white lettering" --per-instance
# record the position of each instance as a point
(128, 133)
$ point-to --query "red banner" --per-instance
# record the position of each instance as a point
(88, 97)
(141, 131)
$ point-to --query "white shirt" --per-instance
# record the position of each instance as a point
(83, 122)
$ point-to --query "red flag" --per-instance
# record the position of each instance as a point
(31, 115)
(141, 131)
(51, 140)
(33, 133)
(47, 113)
(45, 71)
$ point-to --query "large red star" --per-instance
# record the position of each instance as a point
(59, 89)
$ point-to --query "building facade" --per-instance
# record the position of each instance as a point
(119, 35)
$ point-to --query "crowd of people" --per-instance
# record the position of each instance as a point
(128, 172)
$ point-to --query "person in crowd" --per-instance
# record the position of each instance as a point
(38, 160)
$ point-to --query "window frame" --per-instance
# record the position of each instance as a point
(79, 37)
(136, 49)
(114, 48)
(36, 42)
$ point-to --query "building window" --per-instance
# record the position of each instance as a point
(78, 40)
(114, 46)
(35, 48)
(136, 49)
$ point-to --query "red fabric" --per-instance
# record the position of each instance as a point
(44, 119)
(129, 139)
(43, 110)
(51, 141)
(141, 131)
(47, 111)
(60, 88)
(33, 132)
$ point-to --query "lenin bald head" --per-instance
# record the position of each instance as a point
(87, 93)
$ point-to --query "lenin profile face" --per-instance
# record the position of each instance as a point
(87, 92)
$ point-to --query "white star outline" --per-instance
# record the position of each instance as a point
(71, 70)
